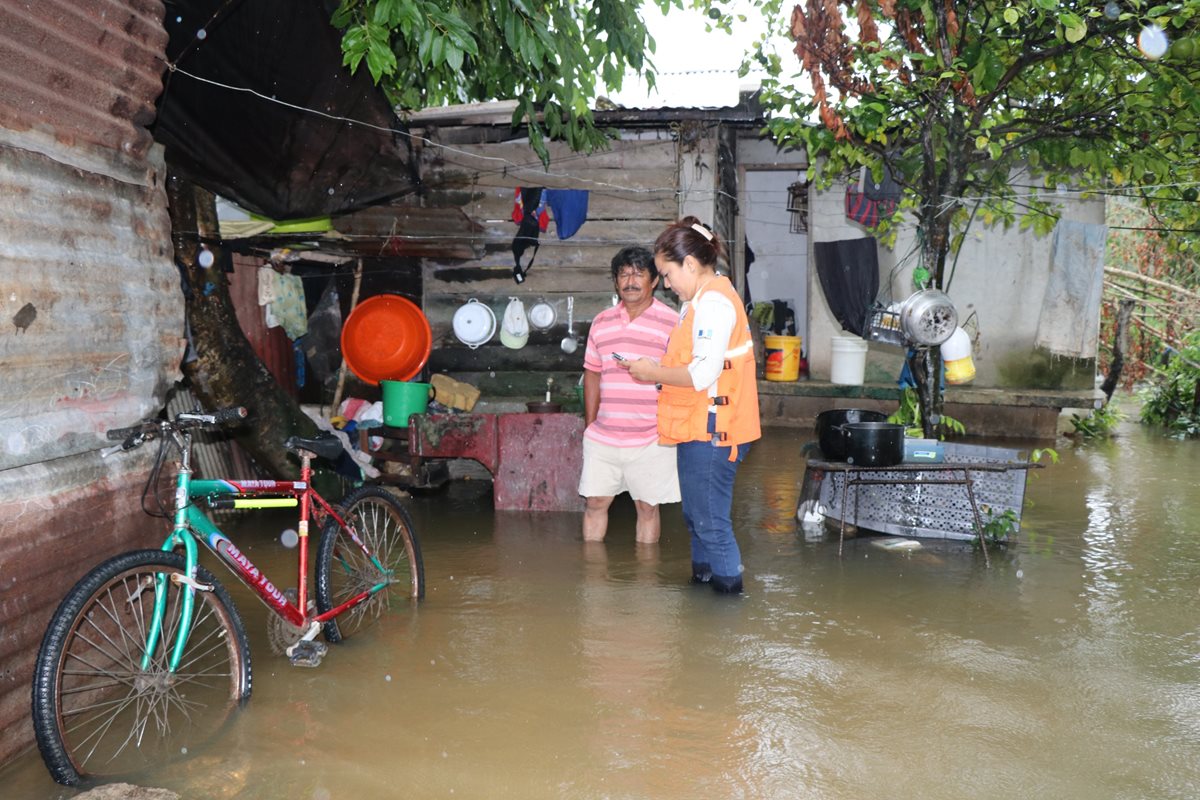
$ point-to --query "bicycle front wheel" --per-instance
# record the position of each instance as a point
(97, 714)
(391, 557)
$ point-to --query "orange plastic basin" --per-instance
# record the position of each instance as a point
(386, 337)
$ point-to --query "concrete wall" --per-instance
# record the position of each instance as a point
(1001, 279)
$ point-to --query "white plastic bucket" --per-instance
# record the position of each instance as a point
(849, 360)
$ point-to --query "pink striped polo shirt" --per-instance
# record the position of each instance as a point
(628, 415)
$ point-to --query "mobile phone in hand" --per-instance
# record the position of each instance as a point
(619, 357)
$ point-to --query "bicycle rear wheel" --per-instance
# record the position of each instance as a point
(96, 713)
(344, 570)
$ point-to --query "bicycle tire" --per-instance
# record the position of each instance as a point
(343, 570)
(96, 714)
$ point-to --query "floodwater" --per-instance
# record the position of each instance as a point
(541, 668)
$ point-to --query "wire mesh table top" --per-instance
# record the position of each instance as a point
(945, 466)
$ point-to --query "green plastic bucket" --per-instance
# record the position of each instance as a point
(402, 398)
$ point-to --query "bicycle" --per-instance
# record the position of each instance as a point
(147, 656)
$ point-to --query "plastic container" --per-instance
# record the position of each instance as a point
(401, 399)
(782, 358)
(849, 366)
(924, 451)
(956, 355)
(386, 337)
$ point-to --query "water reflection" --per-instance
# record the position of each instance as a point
(539, 667)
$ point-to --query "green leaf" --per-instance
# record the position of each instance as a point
(437, 51)
(1076, 33)
(1011, 16)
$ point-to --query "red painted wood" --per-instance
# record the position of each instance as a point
(534, 459)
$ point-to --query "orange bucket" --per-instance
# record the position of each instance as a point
(387, 337)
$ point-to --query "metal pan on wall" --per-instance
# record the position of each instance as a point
(474, 323)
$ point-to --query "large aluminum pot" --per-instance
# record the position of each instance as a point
(874, 444)
(829, 433)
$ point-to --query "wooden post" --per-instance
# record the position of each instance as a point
(341, 384)
(1120, 345)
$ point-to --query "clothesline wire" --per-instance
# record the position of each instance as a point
(507, 165)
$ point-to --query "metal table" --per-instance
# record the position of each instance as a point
(950, 473)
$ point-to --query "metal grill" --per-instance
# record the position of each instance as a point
(883, 325)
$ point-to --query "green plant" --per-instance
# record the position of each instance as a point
(1173, 401)
(1000, 526)
(1036, 455)
(1099, 424)
(909, 415)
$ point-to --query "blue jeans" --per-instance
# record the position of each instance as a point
(706, 485)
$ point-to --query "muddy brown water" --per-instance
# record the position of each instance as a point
(541, 668)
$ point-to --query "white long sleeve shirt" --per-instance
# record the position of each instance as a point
(712, 330)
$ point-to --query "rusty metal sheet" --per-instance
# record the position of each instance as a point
(78, 80)
(57, 521)
(91, 316)
(540, 458)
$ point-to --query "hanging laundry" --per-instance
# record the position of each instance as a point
(1069, 324)
(569, 207)
(870, 201)
(538, 202)
(528, 227)
(282, 298)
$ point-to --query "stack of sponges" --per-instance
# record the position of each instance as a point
(454, 394)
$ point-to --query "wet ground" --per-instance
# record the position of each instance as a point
(541, 668)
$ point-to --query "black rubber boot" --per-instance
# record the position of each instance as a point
(726, 584)
(701, 573)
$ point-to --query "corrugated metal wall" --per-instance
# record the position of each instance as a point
(90, 311)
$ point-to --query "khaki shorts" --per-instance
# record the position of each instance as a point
(648, 473)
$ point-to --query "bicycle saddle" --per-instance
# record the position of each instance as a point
(325, 445)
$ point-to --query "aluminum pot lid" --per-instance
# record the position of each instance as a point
(474, 323)
(542, 316)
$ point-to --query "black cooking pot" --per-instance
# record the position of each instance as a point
(829, 434)
(873, 444)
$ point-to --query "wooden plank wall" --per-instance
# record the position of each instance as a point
(633, 189)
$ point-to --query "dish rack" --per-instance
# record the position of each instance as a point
(883, 325)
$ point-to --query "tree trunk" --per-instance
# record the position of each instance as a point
(225, 370)
(936, 232)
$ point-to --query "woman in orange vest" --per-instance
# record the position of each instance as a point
(708, 403)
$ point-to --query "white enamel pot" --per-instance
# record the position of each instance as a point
(474, 323)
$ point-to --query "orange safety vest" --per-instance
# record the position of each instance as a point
(683, 411)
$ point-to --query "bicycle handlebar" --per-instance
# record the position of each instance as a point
(136, 435)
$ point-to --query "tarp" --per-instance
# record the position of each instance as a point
(234, 123)
(849, 275)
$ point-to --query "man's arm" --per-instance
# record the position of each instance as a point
(591, 396)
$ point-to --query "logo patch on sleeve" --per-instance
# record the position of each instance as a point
(704, 333)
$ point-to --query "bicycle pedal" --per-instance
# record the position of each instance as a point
(307, 654)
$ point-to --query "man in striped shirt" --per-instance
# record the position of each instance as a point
(620, 445)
